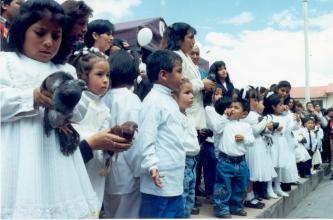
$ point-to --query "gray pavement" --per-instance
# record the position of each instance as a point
(318, 204)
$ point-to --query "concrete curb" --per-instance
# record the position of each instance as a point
(285, 205)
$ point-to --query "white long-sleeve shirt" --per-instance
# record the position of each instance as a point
(191, 71)
(305, 133)
(191, 143)
(228, 145)
(125, 106)
(161, 141)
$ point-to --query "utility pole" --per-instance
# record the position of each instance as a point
(306, 51)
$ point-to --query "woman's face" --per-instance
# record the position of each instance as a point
(283, 92)
(222, 73)
(187, 43)
(42, 40)
(103, 41)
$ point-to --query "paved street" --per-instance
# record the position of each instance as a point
(318, 204)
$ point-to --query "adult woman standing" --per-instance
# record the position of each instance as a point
(219, 69)
(180, 38)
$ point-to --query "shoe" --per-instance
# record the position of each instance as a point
(255, 204)
(223, 216)
(271, 194)
(239, 213)
(281, 193)
(195, 211)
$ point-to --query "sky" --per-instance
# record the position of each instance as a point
(261, 41)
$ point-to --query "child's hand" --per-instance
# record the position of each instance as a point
(239, 138)
(228, 112)
(279, 128)
(155, 175)
(269, 126)
(42, 98)
(296, 117)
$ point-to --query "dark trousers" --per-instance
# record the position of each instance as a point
(206, 162)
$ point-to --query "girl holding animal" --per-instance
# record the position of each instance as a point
(37, 180)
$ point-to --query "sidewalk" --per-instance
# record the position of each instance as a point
(274, 208)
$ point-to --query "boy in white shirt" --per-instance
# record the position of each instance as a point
(184, 97)
(161, 140)
(232, 173)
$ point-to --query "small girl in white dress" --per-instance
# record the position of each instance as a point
(93, 68)
(279, 150)
(257, 157)
(37, 180)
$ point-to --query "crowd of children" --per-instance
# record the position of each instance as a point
(253, 143)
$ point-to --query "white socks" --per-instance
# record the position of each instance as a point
(270, 191)
(277, 188)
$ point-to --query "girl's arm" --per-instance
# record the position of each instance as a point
(16, 103)
(248, 136)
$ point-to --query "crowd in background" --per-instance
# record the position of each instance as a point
(155, 133)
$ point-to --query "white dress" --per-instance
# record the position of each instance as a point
(122, 188)
(289, 173)
(258, 157)
(37, 180)
(96, 117)
(280, 147)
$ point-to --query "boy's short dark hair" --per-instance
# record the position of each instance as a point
(309, 118)
(245, 104)
(161, 60)
(30, 13)
(124, 68)
(222, 104)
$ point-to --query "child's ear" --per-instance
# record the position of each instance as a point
(245, 113)
(95, 35)
(162, 75)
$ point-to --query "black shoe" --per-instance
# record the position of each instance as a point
(255, 204)
(239, 213)
(195, 211)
